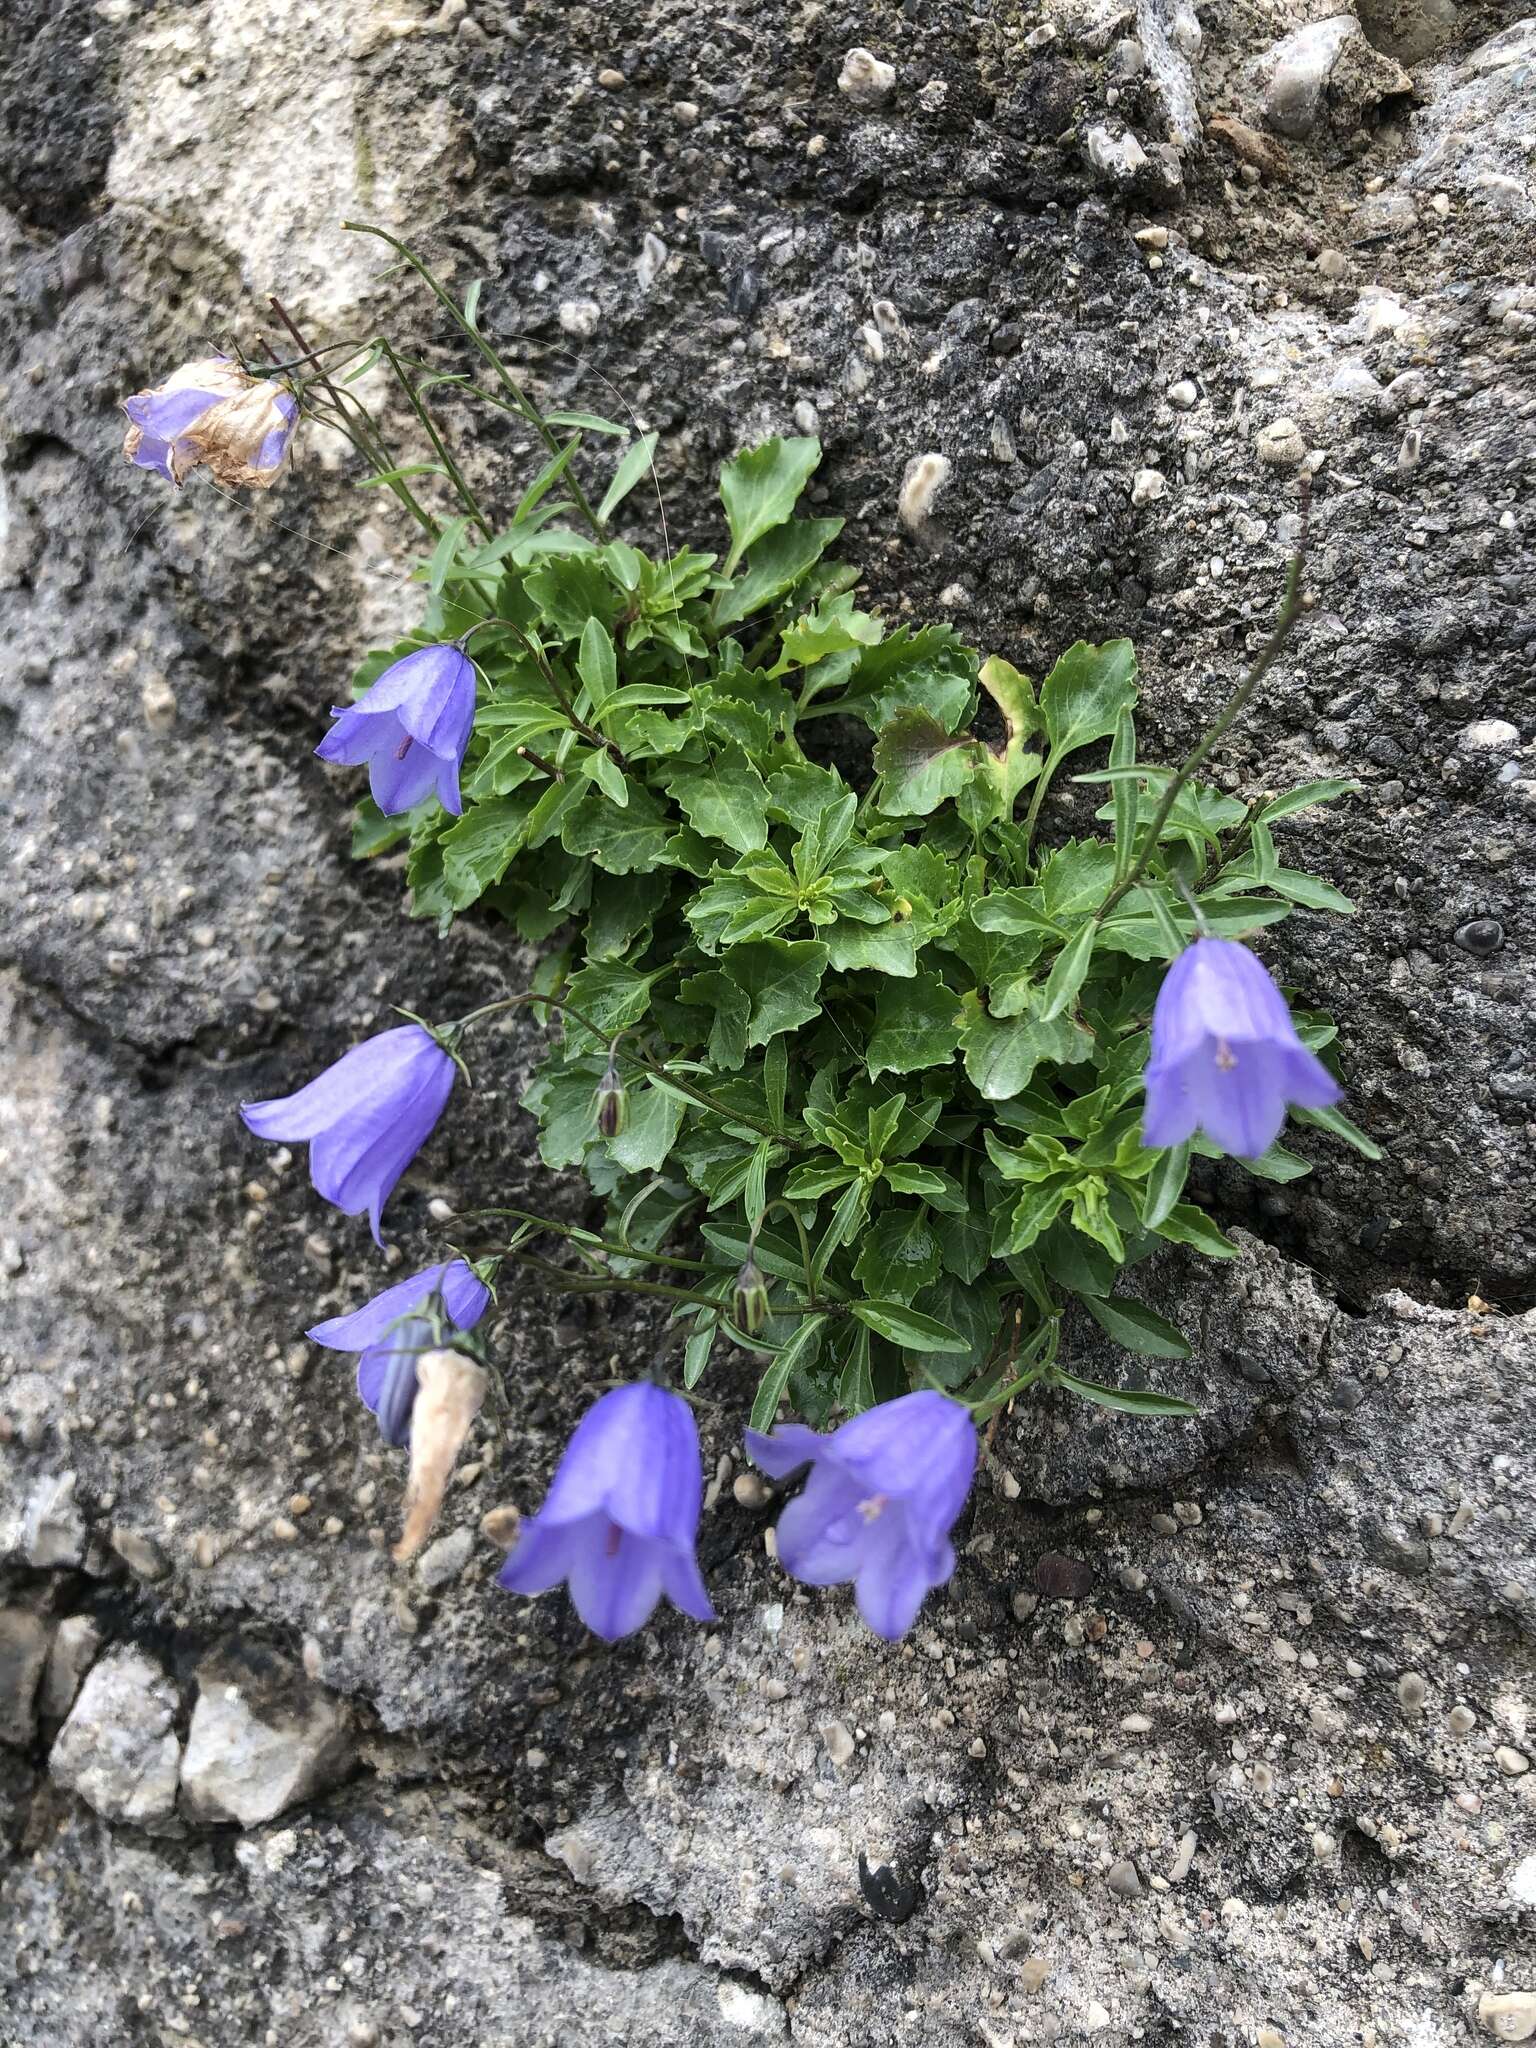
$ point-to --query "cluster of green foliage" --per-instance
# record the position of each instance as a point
(874, 1036)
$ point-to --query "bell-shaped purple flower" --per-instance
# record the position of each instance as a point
(365, 1118)
(620, 1518)
(1226, 1058)
(411, 727)
(393, 1330)
(883, 1494)
(212, 412)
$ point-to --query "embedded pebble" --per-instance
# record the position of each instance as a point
(925, 477)
(837, 1741)
(1461, 1720)
(751, 1490)
(1183, 1860)
(1508, 2015)
(866, 79)
(1412, 1693)
(1511, 1762)
(579, 317)
(441, 1562)
(1122, 1879)
(1148, 487)
(118, 1749)
(1280, 445)
(1184, 394)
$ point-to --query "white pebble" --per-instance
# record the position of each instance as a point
(865, 79)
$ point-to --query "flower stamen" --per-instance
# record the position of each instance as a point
(1226, 1058)
(873, 1508)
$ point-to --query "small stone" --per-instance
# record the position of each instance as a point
(686, 113)
(284, 1531)
(1301, 67)
(1184, 1857)
(1489, 735)
(837, 1742)
(1024, 1605)
(750, 1490)
(1332, 264)
(501, 1525)
(1511, 1762)
(118, 1749)
(158, 702)
(52, 1526)
(1122, 1879)
(1148, 487)
(1118, 159)
(1508, 2015)
(23, 1656)
(1033, 1973)
(1135, 1724)
(74, 1649)
(1323, 1845)
(262, 1739)
(1269, 2037)
(1412, 1693)
(580, 317)
(1189, 1513)
(1481, 936)
(142, 1554)
(924, 478)
(610, 80)
(1461, 1720)
(865, 79)
(1280, 445)
(1184, 394)
(441, 1562)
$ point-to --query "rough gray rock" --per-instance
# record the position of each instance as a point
(23, 1655)
(1299, 69)
(118, 1749)
(261, 1740)
(183, 928)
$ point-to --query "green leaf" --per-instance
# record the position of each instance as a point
(612, 994)
(597, 664)
(798, 1354)
(780, 979)
(1304, 796)
(777, 563)
(965, 1243)
(608, 776)
(886, 948)
(696, 1351)
(755, 1193)
(1338, 1123)
(570, 589)
(1068, 974)
(1122, 754)
(920, 764)
(1001, 1054)
(634, 463)
(1165, 1184)
(834, 627)
(623, 842)
(374, 833)
(760, 487)
(904, 1326)
(1137, 1327)
(1185, 1224)
(444, 554)
(589, 422)
(729, 1010)
(1083, 696)
(1124, 1401)
(650, 1129)
(898, 1254)
(724, 798)
(478, 849)
(916, 1026)
(1310, 891)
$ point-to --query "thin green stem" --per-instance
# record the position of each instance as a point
(793, 1214)
(1231, 711)
(643, 1060)
(508, 383)
(582, 1283)
(429, 427)
(596, 1244)
(360, 430)
(1048, 769)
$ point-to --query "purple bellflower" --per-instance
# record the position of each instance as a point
(882, 1496)
(212, 412)
(365, 1118)
(393, 1330)
(619, 1521)
(1226, 1058)
(411, 727)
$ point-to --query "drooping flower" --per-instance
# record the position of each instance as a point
(1226, 1058)
(365, 1118)
(393, 1330)
(212, 412)
(610, 1102)
(883, 1494)
(620, 1518)
(411, 727)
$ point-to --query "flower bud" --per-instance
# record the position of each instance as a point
(449, 1391)
(750, 1298)
(612, 1104)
